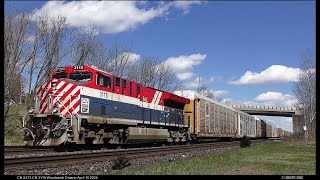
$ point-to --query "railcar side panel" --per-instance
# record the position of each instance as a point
(259, 129)
(209, 118)
(269, 130)
(247, 125)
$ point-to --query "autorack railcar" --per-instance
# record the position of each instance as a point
(210, 119)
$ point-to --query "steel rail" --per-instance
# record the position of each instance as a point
(40, 160)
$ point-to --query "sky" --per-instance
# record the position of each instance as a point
(246, 52)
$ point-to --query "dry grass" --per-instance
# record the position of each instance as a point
(299, 142)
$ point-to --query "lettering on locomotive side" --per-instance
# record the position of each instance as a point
(103, 95)
(78, 67)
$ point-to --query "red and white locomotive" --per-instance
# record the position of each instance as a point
(85, 105)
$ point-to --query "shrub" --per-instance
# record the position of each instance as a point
(245, 141)
(120, 162)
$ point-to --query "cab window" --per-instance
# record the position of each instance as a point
(117, 81)
(60, 75)
(124, 83)
(81, 76)
(104, 81)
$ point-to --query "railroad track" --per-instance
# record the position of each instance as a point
(53, 160)
(39, 161)
(11, 150)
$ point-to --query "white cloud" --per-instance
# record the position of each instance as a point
(271, 99)
(272, 96)
(185, 5)
(183, 66)
(108, 16)
(218, 93)
(132, 57)
(274, 74)
(227, 101)
(193, 84)
(276, 99)
(185, 76)
(215, 78)
(184, 63)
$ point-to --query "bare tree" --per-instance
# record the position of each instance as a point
(205, 91)
(16, 54)
(47, 50)
(151, 72)
(167, 80)
(115, 60)
(99, 59)
(85, 47)
(33, 48)
(305, 91)
(147, 69)
(52, 31)
(118, 59)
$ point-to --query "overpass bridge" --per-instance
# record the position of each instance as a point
(297, 117)
(267, 110)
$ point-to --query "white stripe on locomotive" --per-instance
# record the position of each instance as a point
(91, 92)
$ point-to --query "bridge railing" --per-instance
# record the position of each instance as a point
(284, 108)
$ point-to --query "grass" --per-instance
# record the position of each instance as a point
(275, 158)
(13, 127)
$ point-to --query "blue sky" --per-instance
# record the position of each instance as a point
(246, 52)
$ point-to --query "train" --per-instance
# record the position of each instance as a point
(86, 105)
(210, 119)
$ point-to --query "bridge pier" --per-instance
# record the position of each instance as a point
(297, 125)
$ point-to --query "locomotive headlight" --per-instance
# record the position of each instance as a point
(31, 111)
(56, 109)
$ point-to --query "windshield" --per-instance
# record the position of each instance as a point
(60, 75)
(86, 76)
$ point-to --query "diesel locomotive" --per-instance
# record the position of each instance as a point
(85, 105)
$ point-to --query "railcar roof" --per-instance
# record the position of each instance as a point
(193, 94)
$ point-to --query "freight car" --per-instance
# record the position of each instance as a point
(246, 125)
(85, 105)
(260, 128)
(210, 119)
